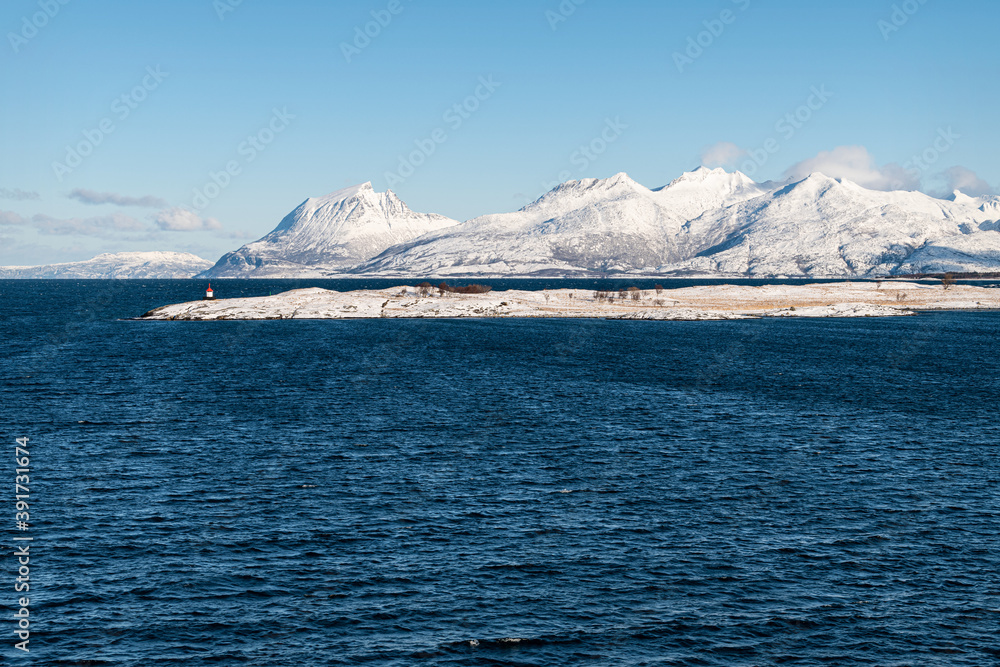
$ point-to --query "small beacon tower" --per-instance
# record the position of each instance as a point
(209, 294)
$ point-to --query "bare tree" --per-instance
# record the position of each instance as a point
(659, 289)
(635, 293)
(948, 280)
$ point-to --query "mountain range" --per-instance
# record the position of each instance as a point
(708, 222)
(122, 265)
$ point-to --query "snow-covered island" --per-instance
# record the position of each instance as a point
(717, 302)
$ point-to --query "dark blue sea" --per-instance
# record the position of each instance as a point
(497, 492)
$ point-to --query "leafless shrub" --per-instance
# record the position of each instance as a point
(659, 303)
(635, 293)
(948, 280)
(659, 289)
(900, 296)
(467, 289)
(424, 289)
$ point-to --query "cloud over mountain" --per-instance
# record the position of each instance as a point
(722, 154)
(856, 164)
(967, 182)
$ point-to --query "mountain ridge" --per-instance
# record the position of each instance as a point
(711, 222)
(122, 265)
(707, 222)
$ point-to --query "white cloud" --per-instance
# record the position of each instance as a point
(182, 220)
(722, 154)
(105, 225)
(18, 194)
(966, 181)
(855, 163)
(11, 218)
(91, 197)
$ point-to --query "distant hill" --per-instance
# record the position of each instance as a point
(122, 265)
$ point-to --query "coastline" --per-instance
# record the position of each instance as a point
(717, 302)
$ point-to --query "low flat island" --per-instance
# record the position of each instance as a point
(716, 302)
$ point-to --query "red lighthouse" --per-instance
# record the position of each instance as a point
(209, 294)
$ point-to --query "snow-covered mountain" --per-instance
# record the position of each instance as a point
(329, 235)
(710, 222)
(125, 265)
(822, 226)
(587, 226)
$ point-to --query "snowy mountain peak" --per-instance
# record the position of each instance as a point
(815, 184)
(620, 181)
(574, 194)
(336, 231)
(705, 180)
(821, 179)
(960, 197)
(353, 195)
(345, 193)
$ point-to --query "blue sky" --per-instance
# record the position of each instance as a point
(297, 101)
